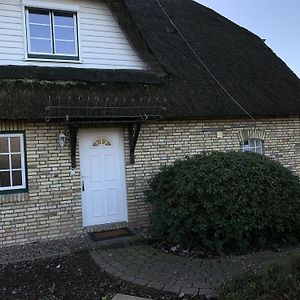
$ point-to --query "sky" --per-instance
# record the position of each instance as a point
(277, 21)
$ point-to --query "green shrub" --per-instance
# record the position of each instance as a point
(226, 201)
(274, 282)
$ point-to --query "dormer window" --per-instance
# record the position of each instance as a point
(52, 34)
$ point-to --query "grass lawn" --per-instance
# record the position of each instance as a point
(280, 281)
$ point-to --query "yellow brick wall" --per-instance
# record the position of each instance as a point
(161, 143)
(52, 206)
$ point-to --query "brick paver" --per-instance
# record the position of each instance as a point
(143, 265)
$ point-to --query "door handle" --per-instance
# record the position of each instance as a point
(82, 185)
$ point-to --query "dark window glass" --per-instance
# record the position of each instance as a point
(4, 179)
(3, 145)
(17, 178)
(15, 144)
(4, 162)
(16, 161)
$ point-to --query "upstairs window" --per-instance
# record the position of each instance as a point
(253, 145)
(12, 162)
(52, 34)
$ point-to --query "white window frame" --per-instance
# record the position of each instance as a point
(23, 162)
(257, 148)
(73, 58)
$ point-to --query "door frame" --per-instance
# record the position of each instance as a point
(123, 192)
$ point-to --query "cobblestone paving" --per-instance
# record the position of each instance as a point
(146, 266)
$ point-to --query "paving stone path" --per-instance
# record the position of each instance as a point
(143, 265)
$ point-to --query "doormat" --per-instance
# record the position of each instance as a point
(108, 235)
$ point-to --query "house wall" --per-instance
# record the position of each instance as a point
(103, 45)
(162, 143)
(52, 206)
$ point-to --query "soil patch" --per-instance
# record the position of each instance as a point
(178, 250)
(73, 276)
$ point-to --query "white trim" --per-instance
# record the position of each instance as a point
(75, 32)
(123, 172)
(50, 5)
(74, 10)
(251, 133)
(77, 18)
(54, 60)
(25, 33)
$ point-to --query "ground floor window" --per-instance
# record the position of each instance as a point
(12, 162)
(253, 145)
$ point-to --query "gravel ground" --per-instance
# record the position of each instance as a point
(43, 249)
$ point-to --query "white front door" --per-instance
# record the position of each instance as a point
(102, 169)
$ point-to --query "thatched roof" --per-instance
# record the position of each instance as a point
(246, 67)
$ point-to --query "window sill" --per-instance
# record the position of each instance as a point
(17, 191)
(54, 60)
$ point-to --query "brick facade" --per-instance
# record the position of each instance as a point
(52, 206)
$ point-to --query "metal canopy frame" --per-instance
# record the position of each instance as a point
(132, 116)
(133, 131)
(73, 131)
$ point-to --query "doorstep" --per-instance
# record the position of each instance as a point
(111, 238)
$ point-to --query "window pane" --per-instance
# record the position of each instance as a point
(252, 142)
(63, 19)
(40, 46)
(3, 145)
(4, 162)
(259, 150)
(40, 31)
(101, 142)
(253, 145)
(16, 161)
(40, 17)
(15, 144)
(258, 143)
(62, 33)
(4, 179)
(17, 178)
(65, 48)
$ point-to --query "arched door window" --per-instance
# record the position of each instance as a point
(101, 142)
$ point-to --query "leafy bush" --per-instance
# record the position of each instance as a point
(275, 282)
(226, 201)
